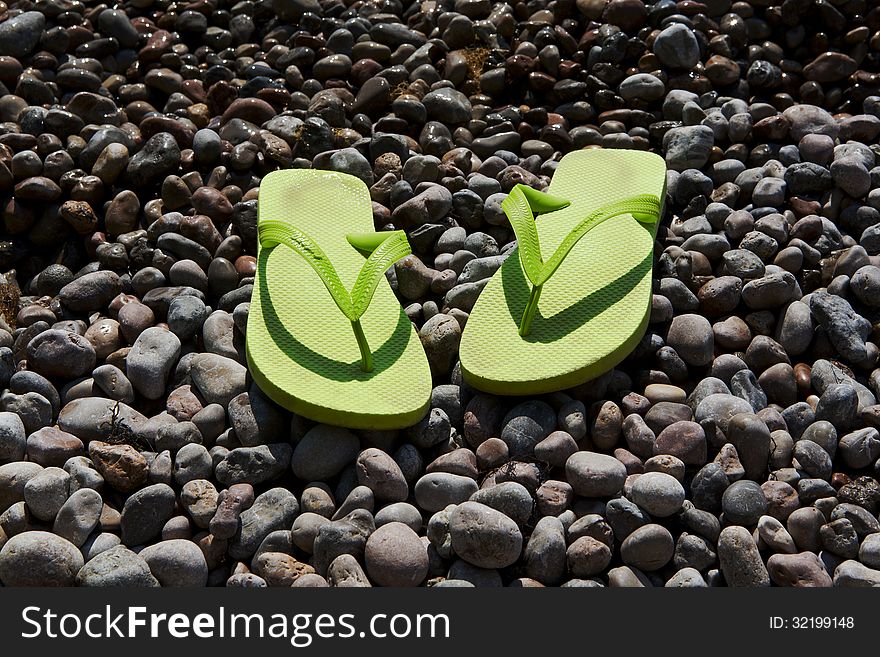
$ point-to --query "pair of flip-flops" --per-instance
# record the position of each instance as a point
(327, 338)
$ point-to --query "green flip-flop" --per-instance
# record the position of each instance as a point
(573, 299)
(346, 358)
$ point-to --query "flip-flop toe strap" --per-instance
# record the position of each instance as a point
(384, 250)
(520, 205)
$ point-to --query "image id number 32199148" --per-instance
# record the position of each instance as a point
(812, 623)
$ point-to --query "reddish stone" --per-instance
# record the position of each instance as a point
(254, 110)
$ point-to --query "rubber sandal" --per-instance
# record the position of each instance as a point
(573, 299)
(350, 359)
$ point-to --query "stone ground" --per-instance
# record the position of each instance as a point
(737, 446)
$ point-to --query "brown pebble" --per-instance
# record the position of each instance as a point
(279, 569)
(104, 337)
(803, 379)
(491, 453)
(839, 479)
(51, 446)
(685, 440)
(246, 266)
(183, 404)
(122, 215)
(635, 403)
(782, 499)
(803, 570)
(211, 202)
(79, 215)
(122, 466)
(134, 318)
(253, 110)
(631, 462)
(230, 504)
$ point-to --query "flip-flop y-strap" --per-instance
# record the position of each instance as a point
(383, 249)
(520, 206)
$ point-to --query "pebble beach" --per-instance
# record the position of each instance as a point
(736, 446)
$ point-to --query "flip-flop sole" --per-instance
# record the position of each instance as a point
(301, 349)
(594, 309)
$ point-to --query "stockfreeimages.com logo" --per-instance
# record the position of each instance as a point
(299, 629)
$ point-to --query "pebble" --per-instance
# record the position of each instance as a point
(847, 330)
(664, 414)
(20, 34)
(743, 503)
(400, 512)
(692, 338)
(13, 439)
(346, 572)
(219, 379)
(554, 449)
(231, 502)
(91, 291)
(648, 548)
(323, 452)
(50, 446)
(150, 361)
(61, 354)
(199, 498)
(839, 537)
(46, 492)
(461, 570)
(688, 147)
(275, 509)
(447, 105)
(39, 558)
(186, 316)
(526, 425)
(860, 448)
(279, 569)
(176, 563)
(305, 529)
(595, 475)
(145, 512)
(720, 408)
(346, 536)
(395, 556)
(510, 498)
(432, 430)
(587, 557)
(545, 555)
(255, 418)
(380, 473)
(751, 438)
(121, 466)
(483, 536)
(677, 47)
(685, 440)
(869, 551)
(812, 459)
(838, 405)
(360, 497)
(437, 490)
(626, 577)
(686, 578)
(804, 569)
(253, 465)
(642, 86)
(851, 573)
(159, 156)
(116, 566)
(740, 560)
